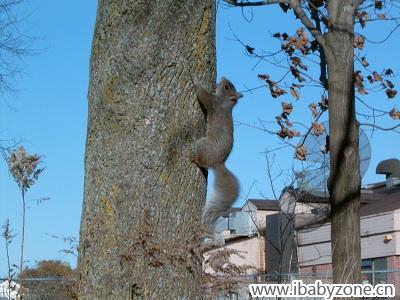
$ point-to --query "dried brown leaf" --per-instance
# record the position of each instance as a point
(395, 114)
(358, 78)
(287, 108)
(389, 72)
(362, 91)
(301, 152)
(323, 103)
(364, 61)
(359, 42)
(391, 93)
(377, 76)
(263, 76)
(313, 108)
(296, 61)
(362, 22)
(296, 74)
(390, 84)
(294, 93)
(378, 4)
(318, 128)
(284, 132)
(381, 16)
(250, 49)
(276, 91)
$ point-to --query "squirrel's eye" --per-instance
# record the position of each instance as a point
(226, 86)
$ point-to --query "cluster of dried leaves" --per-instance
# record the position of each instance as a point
(286, 127)
(363, 16)
(275, 90)
(148, 250)
(373, 78)
(298, 46)
(299, 42)
(379, 10)
(290, 45)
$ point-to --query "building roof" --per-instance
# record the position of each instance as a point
(385, 200)
(265, 204)
(375, 198)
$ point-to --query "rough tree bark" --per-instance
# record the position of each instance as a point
(344, 181)
(142, 197)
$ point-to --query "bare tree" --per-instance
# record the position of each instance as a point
(331, 25)
(14, 44)
(143, 120)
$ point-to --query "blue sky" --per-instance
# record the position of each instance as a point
(48, 116)
(49, 113)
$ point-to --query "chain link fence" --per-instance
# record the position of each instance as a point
(53, 288)
(367, 277)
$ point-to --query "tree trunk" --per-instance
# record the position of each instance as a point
(142, 197)
(344, 181)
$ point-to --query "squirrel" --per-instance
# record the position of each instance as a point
(212, 150)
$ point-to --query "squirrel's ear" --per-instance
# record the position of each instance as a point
(238, 96)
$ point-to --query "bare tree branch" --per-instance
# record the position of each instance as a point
(382, 128)
(299, 11)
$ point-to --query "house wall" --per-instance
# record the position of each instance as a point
(377, 223)
(319, 269)
(252, 251)
(315, 247)
(374, 246)
(257, 216)
(314, 254)
(248, 206)
(314, 235)
(261, 215)
(393, 272)
(302, 207)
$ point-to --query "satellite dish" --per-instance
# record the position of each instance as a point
(315, 169)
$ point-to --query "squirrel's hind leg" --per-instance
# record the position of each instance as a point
(203, 153)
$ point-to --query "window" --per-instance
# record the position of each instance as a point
(374, 270)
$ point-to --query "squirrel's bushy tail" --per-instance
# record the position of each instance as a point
(226, 190)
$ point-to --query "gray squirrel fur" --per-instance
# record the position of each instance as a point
(212, 150)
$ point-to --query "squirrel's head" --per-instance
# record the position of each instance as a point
(226, 89)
